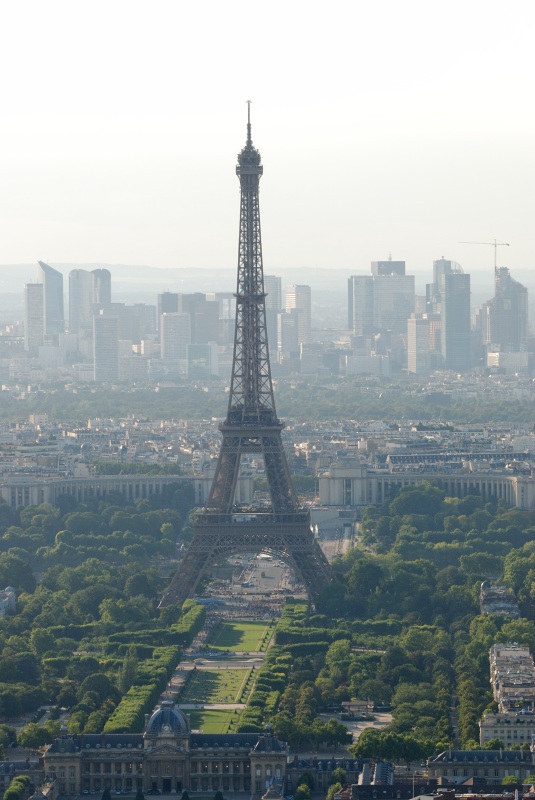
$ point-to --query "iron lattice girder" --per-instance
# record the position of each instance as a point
(261, 440)
(291, 541)
(251, 427)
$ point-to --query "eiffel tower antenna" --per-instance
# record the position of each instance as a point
(221, 528)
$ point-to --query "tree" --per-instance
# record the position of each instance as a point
(302, 792)
(218, 795)
(33, 736)
(493, 744)
(185, 796)
(98, 683)
(128, 672)
(339, 776)
(139, 584)
(336, 733)
(8, 735)
(511, 780)
(333, 789)
(106, 795)
(307, 779)
(41, 641)
(141, 796)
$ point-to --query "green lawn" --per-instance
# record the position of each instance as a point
(218, 686)
(212, 721)
(241, 636)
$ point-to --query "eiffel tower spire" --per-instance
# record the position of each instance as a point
(251, 426)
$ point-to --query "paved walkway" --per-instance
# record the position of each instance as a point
(214, 706)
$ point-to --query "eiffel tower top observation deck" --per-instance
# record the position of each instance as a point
(251, 426)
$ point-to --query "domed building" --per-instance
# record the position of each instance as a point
(166, 758)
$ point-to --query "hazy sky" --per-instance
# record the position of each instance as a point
(401, 127)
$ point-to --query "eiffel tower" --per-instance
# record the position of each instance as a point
(222, 528)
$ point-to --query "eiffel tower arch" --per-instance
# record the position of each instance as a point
(251, 426)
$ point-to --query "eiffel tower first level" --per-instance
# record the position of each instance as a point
(251, 426)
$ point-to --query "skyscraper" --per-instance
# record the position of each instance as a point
(423, 343)
(101, 286)
(89, 293)
(388, 267)
(394, 296)
(455, 315)
(81, 300)
(105, 348)
(273, 289)
(382, 301)
(175, 336)
(34, 324)
(52, 281)
(204, 316)
(360, 305)
(167, 303)
(298, 297)
(508, 314)
(434, 291)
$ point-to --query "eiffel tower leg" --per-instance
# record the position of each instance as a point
(187, 577)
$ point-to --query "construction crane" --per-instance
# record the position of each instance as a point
(494, 244)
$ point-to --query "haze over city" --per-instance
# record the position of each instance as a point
(389, 128)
